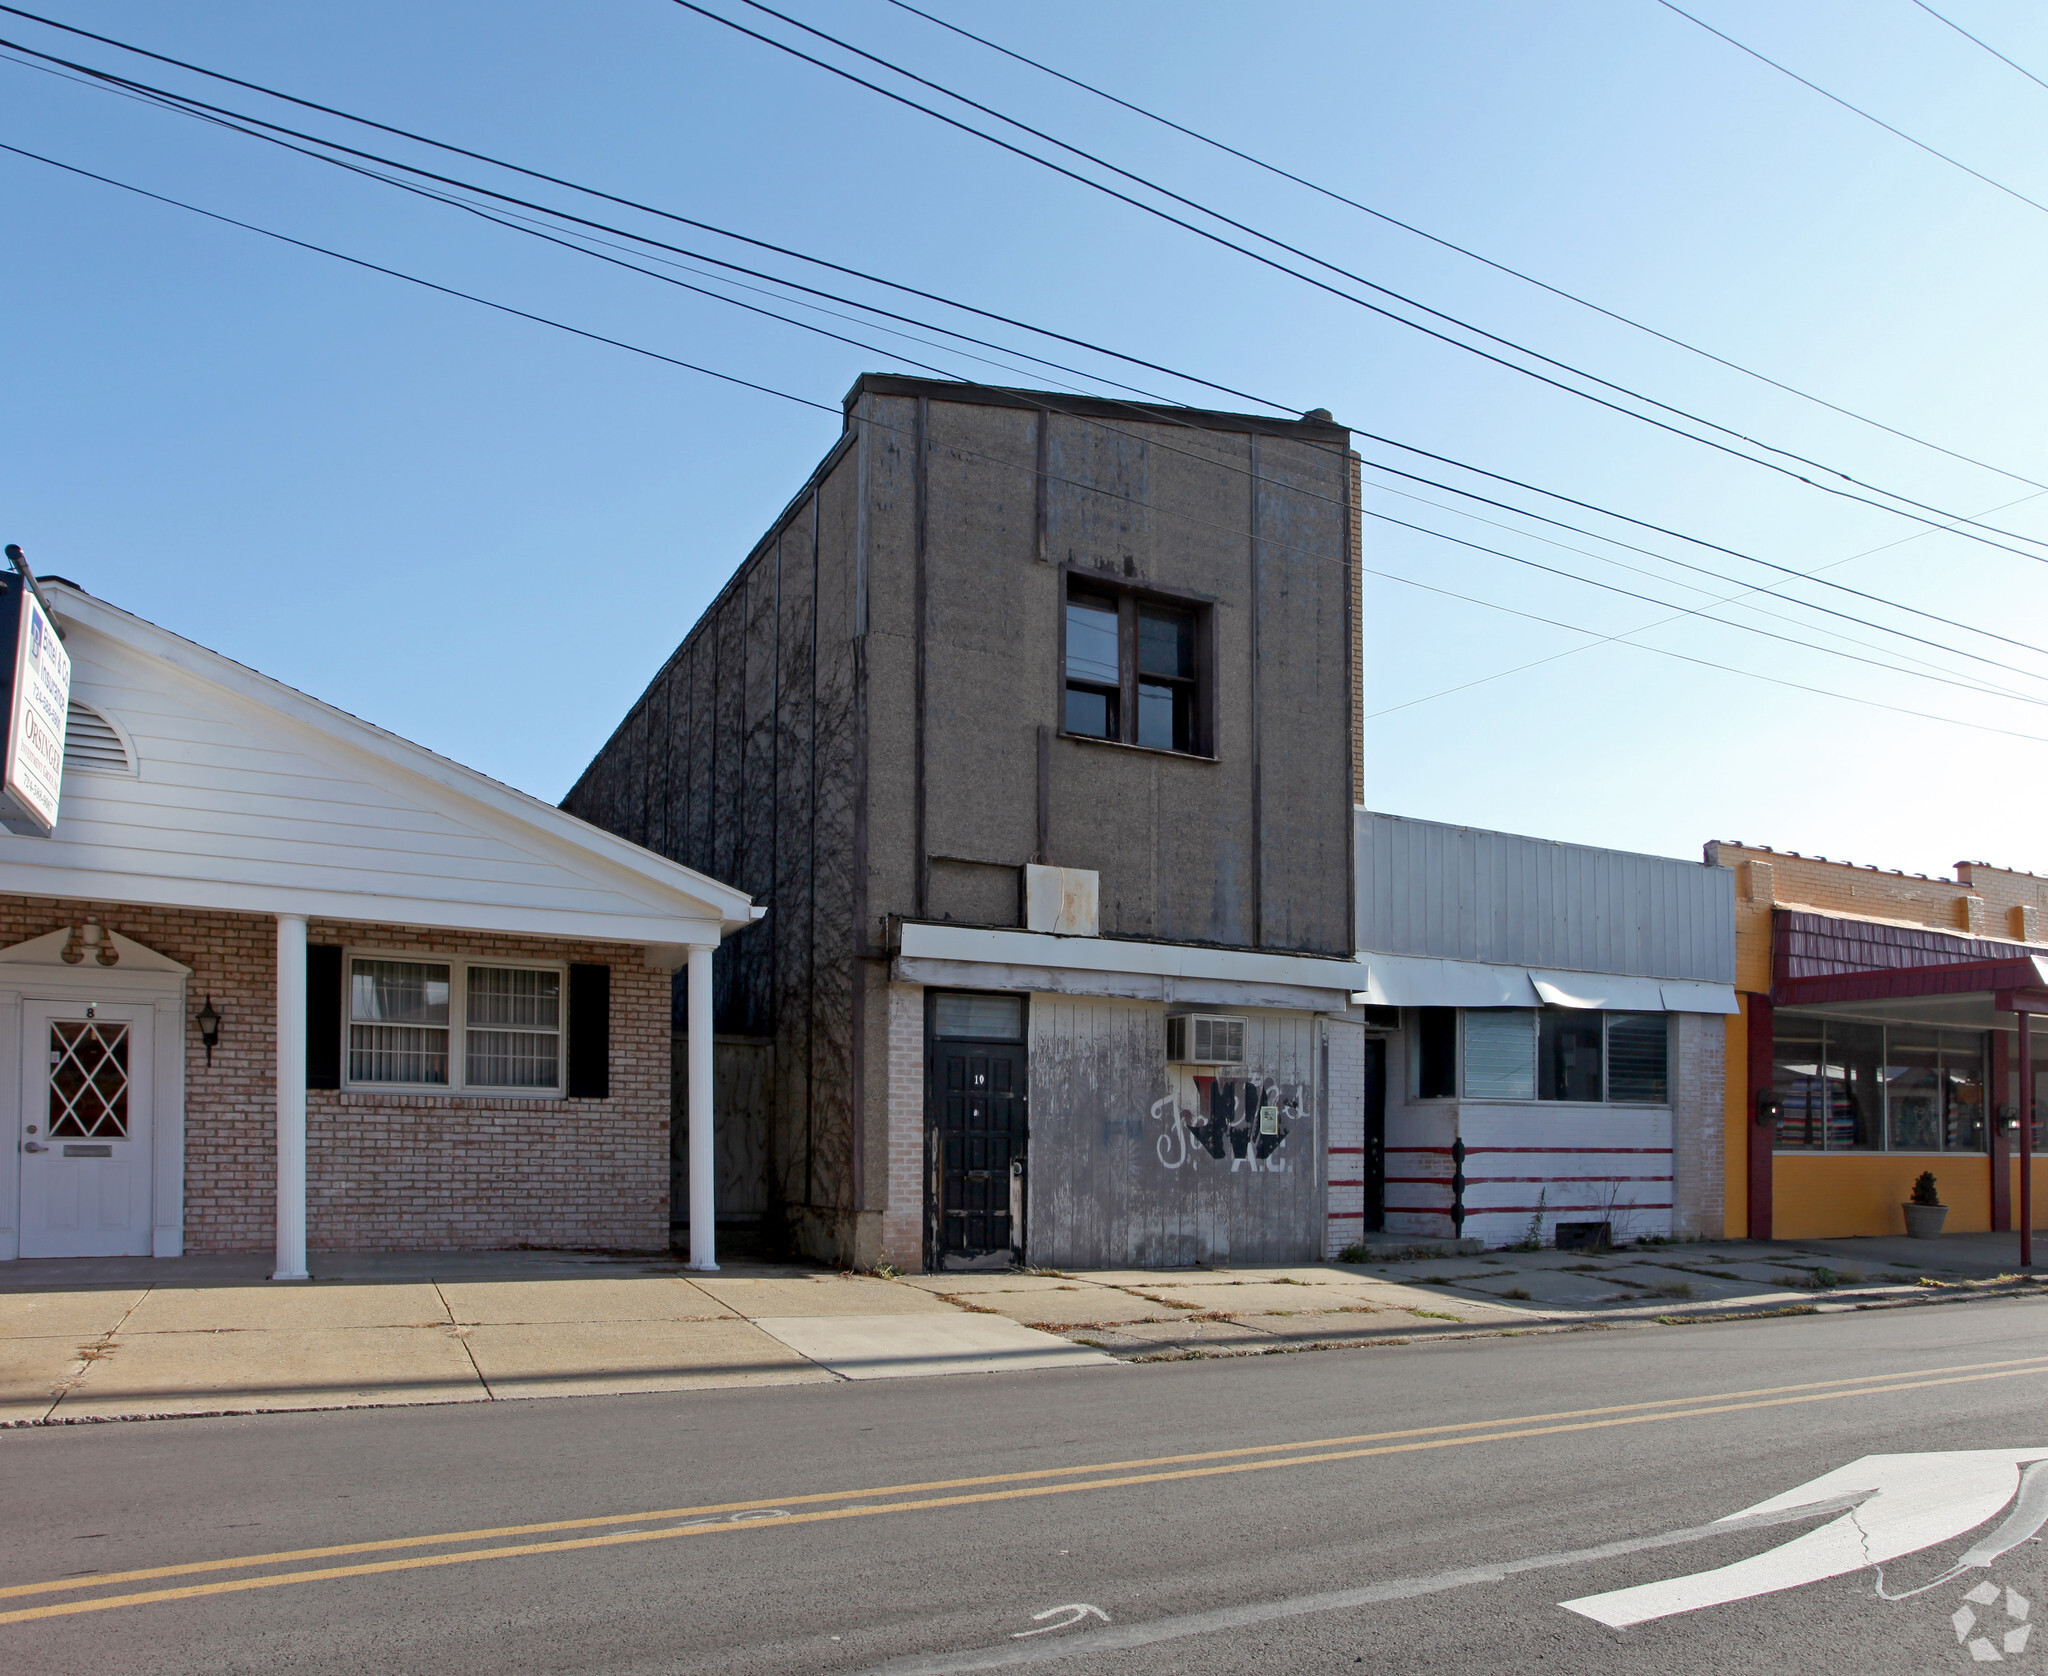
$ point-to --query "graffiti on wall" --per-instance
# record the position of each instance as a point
(1241, 1121)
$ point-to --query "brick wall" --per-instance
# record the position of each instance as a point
(1698, 1121)
(400, 1171)
(1346, 1106)
(903, 1209)
(1981, 901)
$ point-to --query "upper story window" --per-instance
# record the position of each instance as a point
(1134, 669)
(1548, 1053)
(454, 1025)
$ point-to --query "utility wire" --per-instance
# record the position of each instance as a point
(1977, 40)
(1486, 261)
(218, 114)
(1939, 513)
(1626, 635)
(414, 279)
(1858, 110)
(544, 320)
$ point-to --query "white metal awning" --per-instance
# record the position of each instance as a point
(1402, 980)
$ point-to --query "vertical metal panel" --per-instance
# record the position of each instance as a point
(1135, 1163)
(1459, 893)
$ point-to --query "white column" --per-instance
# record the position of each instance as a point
(291, 1098)
(697, 1023)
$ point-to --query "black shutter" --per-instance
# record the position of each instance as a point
(590, 1032)
(323, 1017)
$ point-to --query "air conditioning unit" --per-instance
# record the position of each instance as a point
(1200, 1039)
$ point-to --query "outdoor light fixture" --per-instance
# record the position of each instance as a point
(209, 1028)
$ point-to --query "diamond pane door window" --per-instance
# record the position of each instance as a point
(88, 1073)
(89, 1079)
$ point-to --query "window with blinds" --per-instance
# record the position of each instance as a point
(92, 744)
(454, 1025)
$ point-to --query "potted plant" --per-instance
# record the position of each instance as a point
(1925, 1213)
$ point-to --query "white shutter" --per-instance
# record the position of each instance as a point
(1500, 1054)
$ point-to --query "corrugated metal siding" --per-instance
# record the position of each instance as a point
(1460, 893)
(1122, 1171)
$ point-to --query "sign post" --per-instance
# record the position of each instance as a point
(35, 699)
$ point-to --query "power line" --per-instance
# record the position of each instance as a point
(414, 279)
(1361, 302)
(234, 120)
(617, 343)
(1463, 250)
(1626, 635)
(1977, 40)
(1858, 110)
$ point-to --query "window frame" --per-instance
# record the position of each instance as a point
(459, 966)
(1413, 1029)
(1130, 598)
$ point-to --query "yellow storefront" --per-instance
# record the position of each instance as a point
(1878, 1040)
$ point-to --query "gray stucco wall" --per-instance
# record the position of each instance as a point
(1459, 893)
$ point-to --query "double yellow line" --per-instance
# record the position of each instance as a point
(825, 1505)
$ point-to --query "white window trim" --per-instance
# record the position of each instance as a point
(458, 966)
(1462, 1098)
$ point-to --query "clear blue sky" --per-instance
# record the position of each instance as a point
(486, 535)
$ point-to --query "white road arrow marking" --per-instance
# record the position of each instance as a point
(1079, 1610)
(1915, 1501)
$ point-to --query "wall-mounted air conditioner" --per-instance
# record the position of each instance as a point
(1201, 1039)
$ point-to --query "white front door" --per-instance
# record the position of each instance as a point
(86, 1073)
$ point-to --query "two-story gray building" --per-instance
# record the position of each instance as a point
(1033, 721)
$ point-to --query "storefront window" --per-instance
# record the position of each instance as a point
(1913, 1087)
(1572, 1054)
(1847, 1086)
(1797, 1082)
(1965, 1122)
(1500, 1053)
(1568, 1054)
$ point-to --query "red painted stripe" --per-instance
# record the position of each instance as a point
(1347, 1216)
(1347, 1184)
(1474, 1151)
(1347, 1149)
(1531, 1210)
(1491, 1181)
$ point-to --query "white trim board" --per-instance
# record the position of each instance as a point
(1404, 980)
(1043, 953)
(251, 797)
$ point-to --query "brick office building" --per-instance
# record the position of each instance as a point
(1033, 721)
(279, 977)
(1877, 1039)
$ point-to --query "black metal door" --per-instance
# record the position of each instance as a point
(1375, 1133)
(975, 1112)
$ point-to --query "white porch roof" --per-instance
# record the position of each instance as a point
(246, 795)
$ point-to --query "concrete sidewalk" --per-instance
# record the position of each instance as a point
(106, 1339)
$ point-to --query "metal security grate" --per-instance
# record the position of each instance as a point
(91, 743)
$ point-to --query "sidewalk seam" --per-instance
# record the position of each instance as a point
(462, 1339)
(105, 1342)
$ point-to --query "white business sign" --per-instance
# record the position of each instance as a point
(37, 705)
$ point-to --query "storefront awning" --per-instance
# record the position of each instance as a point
(2021, 976)
(1400, 980)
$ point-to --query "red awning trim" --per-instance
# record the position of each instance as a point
(2027, 975)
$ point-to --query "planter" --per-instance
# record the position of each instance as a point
(1924, 1222)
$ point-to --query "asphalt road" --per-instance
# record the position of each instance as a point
(1233, 1516)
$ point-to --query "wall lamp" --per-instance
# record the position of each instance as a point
(209, 1028)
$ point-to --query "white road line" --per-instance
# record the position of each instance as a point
(1121, 1637)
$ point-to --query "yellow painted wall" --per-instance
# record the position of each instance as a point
(1837, 1195)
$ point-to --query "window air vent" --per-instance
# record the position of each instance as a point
(91, 743)
(1198, 1039)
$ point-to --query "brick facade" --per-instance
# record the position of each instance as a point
(903, 1212)
(401, 1171)
(1344, 1101)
